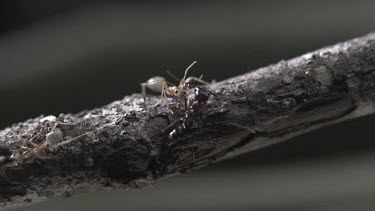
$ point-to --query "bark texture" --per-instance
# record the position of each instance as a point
(247, 112)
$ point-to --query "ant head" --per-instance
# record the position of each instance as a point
(177, 92)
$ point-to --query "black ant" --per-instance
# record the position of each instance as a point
(194, 107)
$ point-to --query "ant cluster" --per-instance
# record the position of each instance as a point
(192, 106)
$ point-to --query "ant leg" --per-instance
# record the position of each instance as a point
(78, 137)
(191, 79)
(143, 85)
(33, 144)
(66, 123)
(186, 103)
(160, 100)
(31, 140)
(162, 94)
(187, 69)
(173, 76)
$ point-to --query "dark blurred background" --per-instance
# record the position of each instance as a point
(67, 56)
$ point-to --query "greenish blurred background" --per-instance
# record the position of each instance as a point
(67, 56)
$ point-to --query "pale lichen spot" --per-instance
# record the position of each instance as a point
(323, 76)
(49, 118)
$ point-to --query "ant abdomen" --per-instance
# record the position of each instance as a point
(54, 137)
(155, 83)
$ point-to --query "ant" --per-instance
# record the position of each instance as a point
(179, 126)
(53, 139)
(159, 84)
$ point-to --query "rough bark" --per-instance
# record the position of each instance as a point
(246, 113)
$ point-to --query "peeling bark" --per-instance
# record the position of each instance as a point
(246, 113)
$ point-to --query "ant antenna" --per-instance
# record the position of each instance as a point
(187, 69)
(172, 75)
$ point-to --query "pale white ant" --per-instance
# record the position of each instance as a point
(53, 139)
(166, 89)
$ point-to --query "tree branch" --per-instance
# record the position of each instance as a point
(115, 147)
